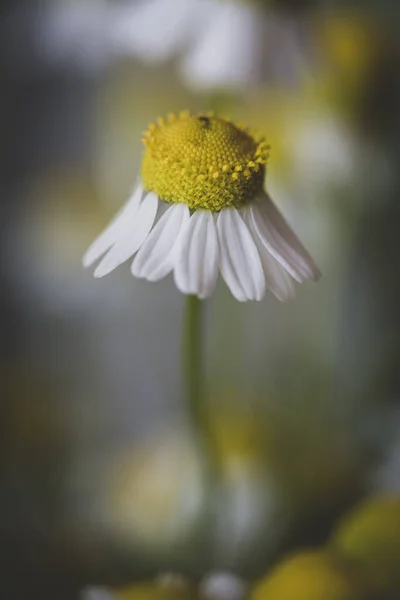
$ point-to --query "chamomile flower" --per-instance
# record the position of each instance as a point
(224, 43)
(199, 207)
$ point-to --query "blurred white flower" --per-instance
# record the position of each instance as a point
(58, 34)
(387, 477)
(97, 593)
(74, 33)
(247, 500)
(157, 493)
(158, 497)
(223, 586)
(225, 44)
(171, 586)
(330, 158)
(155, 30)
(324, 151)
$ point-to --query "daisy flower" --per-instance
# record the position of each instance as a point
(224, 43)
(199, 207)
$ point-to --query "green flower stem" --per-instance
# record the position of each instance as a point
(193, 362)
(194, 370)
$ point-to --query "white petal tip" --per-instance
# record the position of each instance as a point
(139, 273)
(316, 274)
(285, 297)
(88, 259)
(310, 272)
(306, 272)
(135, 272)
(101, 272)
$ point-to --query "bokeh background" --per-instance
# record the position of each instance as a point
(101, 479)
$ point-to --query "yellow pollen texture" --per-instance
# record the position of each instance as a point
(203, 161)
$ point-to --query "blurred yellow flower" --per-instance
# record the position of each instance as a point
(311, 575)
(223, 586)
(238, 434)
(370, 534)
(351, 42)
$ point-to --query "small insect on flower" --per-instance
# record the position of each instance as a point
(199, 207)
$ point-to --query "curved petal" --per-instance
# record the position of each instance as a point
(277, 279)
(112, 232)
(240, 262)
(132, 237)
(281, 241)
(196, 266)
(155, 258)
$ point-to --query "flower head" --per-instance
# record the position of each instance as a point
(200, 206)
(204, 161)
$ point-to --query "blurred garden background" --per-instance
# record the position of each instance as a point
(101, 480)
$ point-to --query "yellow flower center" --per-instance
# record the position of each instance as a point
(203, 161)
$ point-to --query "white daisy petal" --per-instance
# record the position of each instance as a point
(111, 234)
(281, 241)
(155, 258)
(240, 263)
(196, 267)
(132, 237)
(277, 279)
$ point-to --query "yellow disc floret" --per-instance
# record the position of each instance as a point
(203, 161)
